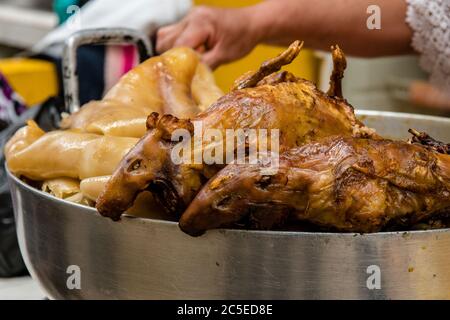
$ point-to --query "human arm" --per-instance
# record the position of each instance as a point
(228, 34)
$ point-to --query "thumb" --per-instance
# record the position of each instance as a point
(214, 57)
(193, 36)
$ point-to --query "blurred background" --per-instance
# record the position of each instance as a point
(382, 84)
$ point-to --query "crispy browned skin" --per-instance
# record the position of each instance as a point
(346, 184)
(281, 101)
(148, 166)
(424, 139)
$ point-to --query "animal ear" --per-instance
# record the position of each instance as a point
(168, 123)
(152, 120)
(339, 65)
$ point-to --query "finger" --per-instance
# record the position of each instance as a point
(193, 36)
(214, 57)
(166, 36)
(201, 49)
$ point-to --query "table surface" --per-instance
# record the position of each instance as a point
(21, 288)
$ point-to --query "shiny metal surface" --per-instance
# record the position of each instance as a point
(152, 259)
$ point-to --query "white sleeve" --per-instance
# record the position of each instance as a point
(142, 15)
(430, 22)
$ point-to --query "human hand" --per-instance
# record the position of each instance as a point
(221, 35)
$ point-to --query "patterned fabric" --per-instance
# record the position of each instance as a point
(118, 61)
(430, 22)
(100, 67)
(11, 104)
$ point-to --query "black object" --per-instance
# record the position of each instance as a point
(47, 116)
(3, 124)
(91, 82)
(91, 79)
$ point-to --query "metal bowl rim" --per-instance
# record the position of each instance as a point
(90, 210)
(391, 114)
(126, 217)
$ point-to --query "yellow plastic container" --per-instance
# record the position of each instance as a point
(305, 66)
(34, 80)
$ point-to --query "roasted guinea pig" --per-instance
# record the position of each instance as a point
(175, 82)
(340, 183)
(265, 99)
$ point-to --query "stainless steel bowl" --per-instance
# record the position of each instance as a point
(152, 259)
